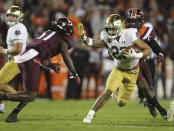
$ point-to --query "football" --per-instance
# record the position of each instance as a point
(128, 49)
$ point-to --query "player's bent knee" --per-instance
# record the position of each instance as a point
(122, 103)
(31, 96)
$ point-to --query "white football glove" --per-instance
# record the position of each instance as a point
(133, 55)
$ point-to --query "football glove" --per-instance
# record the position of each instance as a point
(54, 66)
(81, 31)
(133, 55)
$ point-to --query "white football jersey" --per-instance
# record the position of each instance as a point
(17, 33)
(116, 48)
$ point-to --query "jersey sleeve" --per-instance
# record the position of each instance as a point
(69, 40)
(147, 33)
(18, 34)
(132, 34)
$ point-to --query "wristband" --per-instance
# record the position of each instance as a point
(4, 51)
(90, 43)
(161, 54)
(73, 76)
(84, 37)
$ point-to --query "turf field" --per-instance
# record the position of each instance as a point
(68, 115)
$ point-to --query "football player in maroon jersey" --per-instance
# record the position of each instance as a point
(57, 40)
(135, 19)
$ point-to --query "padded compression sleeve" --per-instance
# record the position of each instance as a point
(154, 46)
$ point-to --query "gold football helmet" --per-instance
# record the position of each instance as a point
(114, 21)
(16, 11)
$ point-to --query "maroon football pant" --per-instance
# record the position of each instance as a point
(31, 75)
(145, 72)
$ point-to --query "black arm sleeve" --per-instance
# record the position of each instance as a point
(155, 47)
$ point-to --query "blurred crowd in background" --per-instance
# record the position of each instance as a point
(92, 13)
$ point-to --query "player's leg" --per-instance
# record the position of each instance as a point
(2, 107)
(7, 73)
(12, 117)
(170, 112)
(112, 83)
(151, 98)
(125, 91)
(31, 79)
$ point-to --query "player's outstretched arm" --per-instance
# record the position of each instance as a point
(145, 49)
(89, 41)
(66, 57)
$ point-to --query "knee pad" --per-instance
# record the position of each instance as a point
(122, 103)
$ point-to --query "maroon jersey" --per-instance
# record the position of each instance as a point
(48, 44)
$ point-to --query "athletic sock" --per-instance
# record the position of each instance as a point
(91, 113)
(2, 106)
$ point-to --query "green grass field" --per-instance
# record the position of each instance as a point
(68, 115)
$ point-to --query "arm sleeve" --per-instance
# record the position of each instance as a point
(69, 40)
(154, 46)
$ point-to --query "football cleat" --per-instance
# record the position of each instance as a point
(170, 112)
(163, 113)
(151, 109)
(87, 119)
(2, 110)
(12, 117)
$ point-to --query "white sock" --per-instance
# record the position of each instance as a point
(2, 106)
(91, 113)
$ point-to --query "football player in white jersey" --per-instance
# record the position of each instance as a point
(16, 43)
(126, 65)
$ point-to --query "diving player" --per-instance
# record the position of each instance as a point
(57, 40)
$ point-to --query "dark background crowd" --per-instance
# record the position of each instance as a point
(92, 13)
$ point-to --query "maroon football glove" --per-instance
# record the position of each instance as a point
(54, 66)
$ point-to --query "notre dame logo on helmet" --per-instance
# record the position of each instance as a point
(17, 32)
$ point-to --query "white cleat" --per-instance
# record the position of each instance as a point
(2, 110)
(87, 119)
(170, 112)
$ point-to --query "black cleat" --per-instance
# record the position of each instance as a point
(142, 101)
(151, 109)
(12, 117)
(163, 113)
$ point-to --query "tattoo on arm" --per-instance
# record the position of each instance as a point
(67, 59)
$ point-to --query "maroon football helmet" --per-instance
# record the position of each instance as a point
(62, 25)
(134, 18)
